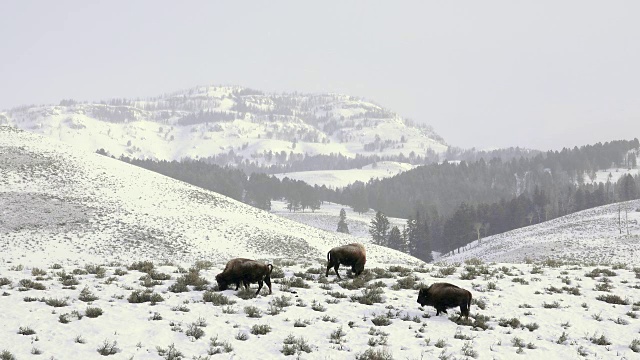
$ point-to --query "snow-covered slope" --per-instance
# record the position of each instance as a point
(521, 311)
(341, 178)
(207, 121)
(72, 224)
(61, 203)
(591, 235)
(328, 215)
(612, 175)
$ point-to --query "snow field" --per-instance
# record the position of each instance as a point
(532, 311)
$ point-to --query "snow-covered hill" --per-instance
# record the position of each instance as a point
(58, 203)
(327, 217)
(612, 175)
(341, 178)
(75, 225)
(592, 235)
(207, 121)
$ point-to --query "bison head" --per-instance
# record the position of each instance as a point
(423, 297)
(222, 283)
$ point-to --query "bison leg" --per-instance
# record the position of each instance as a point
(238, 284)
(267, 280)
(464, 311)
(260, 282)
(336, 267)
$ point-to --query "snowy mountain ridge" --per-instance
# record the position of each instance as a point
(243, 124)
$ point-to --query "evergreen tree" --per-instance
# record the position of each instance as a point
(258, 191)
(342, 223)
(628, 188)
(424, 243)
(395, 239)
(359, 201)
(378, 229)
(419, 238)
(411, 229)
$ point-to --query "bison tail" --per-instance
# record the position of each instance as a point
(270, 268)
(329, 256)
(469, 302)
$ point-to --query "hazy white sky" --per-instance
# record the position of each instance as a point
(538, 74)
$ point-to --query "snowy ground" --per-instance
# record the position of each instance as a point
(327, 217)
(528, 311)
(58, 203)
(613, 175)
(72, 221)
(593, 235)
(341, 178)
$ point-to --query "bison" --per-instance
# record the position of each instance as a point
(443, 296)
(231, 264)
(245, 271)
(353, 255)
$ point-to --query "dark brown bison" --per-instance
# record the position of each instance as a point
(230, 265)
(245, 271)
(353, 255)
(443, 296)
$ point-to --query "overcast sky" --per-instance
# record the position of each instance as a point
(484, 74)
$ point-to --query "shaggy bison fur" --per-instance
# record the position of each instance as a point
(443, 296)
(230, 265)
(353, 255)
(245, 271)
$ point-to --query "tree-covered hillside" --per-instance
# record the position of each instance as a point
(446, 205)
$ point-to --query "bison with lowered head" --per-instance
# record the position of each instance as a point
(230, 265)
(443, 296)
(353, 255)
(245, 271)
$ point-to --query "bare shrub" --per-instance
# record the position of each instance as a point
(375, 354)
(26, 330)
(216, 299)
(170, 353)
(93, 312)
(86, 295)
(252, 312)
(142, 266)
(195, 331)
(139, 296)
(602, 340)
(369, 296)
(613, 299)
(260, 329)
(293, 345)
(108, 348)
